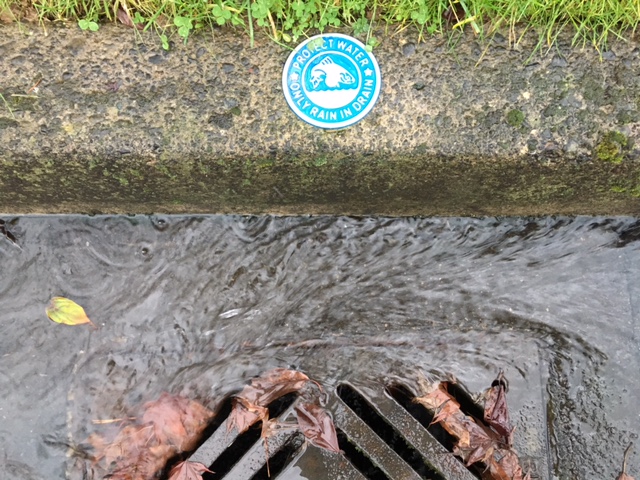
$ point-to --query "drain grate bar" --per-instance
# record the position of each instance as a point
(255, 460)
(215, 445)
(366, 439)
(431, 451)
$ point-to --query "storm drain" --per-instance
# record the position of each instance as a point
(384, 436)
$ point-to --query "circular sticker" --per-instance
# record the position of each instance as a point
(331, 81)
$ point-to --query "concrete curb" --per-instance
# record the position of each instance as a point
(119, 125)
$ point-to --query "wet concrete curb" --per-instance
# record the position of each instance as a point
(119, 125)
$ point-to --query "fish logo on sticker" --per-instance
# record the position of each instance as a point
(329, 75)
(331, 81)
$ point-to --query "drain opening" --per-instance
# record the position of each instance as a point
(467, 404)
(361, 462)
(225, 462)
(368, 414)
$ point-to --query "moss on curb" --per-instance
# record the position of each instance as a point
(611, 147)
(405, 185)
(515, 118)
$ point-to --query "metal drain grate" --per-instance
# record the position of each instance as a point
(384, 436)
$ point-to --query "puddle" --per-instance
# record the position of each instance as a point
(198, 305)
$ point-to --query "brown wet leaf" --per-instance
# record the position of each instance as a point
(176, 420)
(445, 410)
(165, 418)
(128, 443)
(476, 442)
(505, 465)
(188, 471)
(448, 414)
(125, 19)
(141, 448)
(272, 385)
(317, 426)
(196, 417)
(623, 474)
(142, 465)
(244, 414)
(496, 412)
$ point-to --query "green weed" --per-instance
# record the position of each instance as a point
(6, 104)
(85, 24)
(185, 25)
(592, 22)
(165, 41)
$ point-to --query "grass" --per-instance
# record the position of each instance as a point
(592, 22)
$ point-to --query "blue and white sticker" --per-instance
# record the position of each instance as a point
(331, 81)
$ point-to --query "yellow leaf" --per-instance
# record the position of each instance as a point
(63, 310)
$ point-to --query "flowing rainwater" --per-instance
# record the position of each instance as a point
(198, 305)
